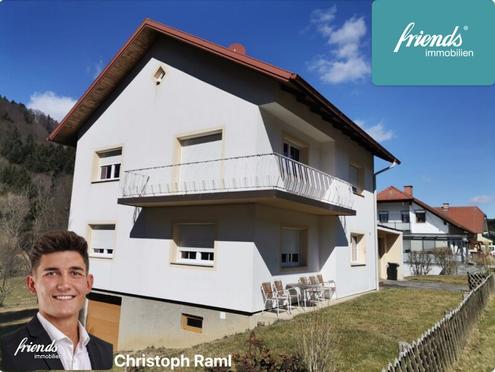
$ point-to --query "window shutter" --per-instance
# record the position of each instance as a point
(291, 241)
(102, 237)
(196, 235)
(111, 158)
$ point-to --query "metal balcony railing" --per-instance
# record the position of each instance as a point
(398, 225)
(243, 173)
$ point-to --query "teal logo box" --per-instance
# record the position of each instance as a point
(435, 42)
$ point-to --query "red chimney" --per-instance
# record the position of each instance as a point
(408, 190)
(238, 48)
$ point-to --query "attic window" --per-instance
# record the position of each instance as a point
(159, 75)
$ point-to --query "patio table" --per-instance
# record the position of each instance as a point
(304, 290)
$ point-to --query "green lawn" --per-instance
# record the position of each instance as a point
(368, 328)
(449, 279)
(479, 353)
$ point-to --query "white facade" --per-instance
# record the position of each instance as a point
(432, 225)
(253, 116)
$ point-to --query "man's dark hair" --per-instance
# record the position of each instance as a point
(58, 241)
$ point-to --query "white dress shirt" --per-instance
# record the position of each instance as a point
(71, 360)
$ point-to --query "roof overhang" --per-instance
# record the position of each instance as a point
(137, 45)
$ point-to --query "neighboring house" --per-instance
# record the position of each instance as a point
(202, 172)
(473, 218)
(424, 227)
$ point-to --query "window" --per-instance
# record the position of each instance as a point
(192, 323)
(194, 151)
(358, 251)
(420, 216)
(102, 240)
(109, 164)
(404, 215)
(383, 216)
(292, 151)
(356, 178)
(195, 243)
(293, 244)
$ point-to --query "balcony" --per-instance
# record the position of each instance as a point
(271, 179)
(398, 225)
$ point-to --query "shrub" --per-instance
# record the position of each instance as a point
(420, 262)
(259, 358)
(318, 342)
(446, 259)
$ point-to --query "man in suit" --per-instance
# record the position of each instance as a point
(54, 338)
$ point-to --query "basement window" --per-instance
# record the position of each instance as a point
(192, 323)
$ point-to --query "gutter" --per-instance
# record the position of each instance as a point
(375, 222)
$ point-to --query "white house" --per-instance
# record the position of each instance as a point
(202, 172)
(423, 227)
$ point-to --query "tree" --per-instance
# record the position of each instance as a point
(13, 212)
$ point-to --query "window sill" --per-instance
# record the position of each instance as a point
(105, 181)
(358, 194)
(191, 264)
(357, 264)
(293, 268)
(100, 256)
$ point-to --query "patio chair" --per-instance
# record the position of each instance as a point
(272, 297)
(320, 291)
(310, 294)
(329, 286)
(288, 293)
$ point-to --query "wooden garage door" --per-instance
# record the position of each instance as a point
(103, 320)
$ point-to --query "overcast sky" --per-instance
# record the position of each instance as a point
(51, 51)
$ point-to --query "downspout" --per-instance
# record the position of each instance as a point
(377, 264)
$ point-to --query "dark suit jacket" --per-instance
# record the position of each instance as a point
(100, 352)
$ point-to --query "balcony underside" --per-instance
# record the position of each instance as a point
(274, 198)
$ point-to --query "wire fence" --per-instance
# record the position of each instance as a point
(442, 345)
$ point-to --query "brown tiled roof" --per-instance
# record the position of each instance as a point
(471, 217)
(146, 34)
(391, 194)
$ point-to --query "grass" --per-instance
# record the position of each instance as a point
(448, 279)
(19, 307)
(19, 297)
(368, 328)
(479, 353)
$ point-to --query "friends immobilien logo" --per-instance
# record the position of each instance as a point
(435, 42)
(434, 45)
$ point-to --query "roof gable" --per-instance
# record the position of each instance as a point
(392, 194)
(137, 45)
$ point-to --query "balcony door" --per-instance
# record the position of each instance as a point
(293, 172)
(199, 169)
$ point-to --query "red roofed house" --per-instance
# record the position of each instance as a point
(201, 173)
(424, 227)
(473, 218)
